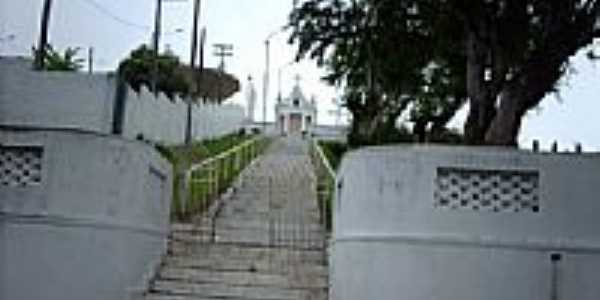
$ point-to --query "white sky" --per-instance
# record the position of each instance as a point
(119, 26)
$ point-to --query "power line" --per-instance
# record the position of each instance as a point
(126, 22)
(116, 18)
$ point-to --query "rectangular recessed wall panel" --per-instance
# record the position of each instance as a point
(487, 190)
(20, 166)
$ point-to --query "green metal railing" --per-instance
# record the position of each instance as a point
(325, 183)
(204, 182)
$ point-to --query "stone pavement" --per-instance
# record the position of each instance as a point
(268, 242)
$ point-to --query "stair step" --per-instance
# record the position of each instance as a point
(306, 243)
(269, 243)
(241, 278)
(218, 290)
(261, 266)
(160, 296)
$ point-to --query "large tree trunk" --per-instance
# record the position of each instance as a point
(506, 125)
(481, 102)
(524, 93)
(363, 130)
(420, 131)
(530, 80)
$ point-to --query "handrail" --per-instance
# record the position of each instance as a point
(204, 181)
(326, 178)
(227, 152)
(324, 159)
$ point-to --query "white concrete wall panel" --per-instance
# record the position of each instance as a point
(93, 228)
(393, 240)
(54, 99)
(64, 100)
(164, 120)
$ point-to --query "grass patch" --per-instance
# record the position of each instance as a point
(183, 157)
(199, 151)
(334, 151)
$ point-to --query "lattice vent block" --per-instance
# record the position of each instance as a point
(487, 190)
(20, 166)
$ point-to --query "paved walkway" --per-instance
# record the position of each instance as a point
(268, 242)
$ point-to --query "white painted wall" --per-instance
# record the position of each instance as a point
(54, 99)
(390, 240)
(95, 226)
(86, 102)
(163, 119)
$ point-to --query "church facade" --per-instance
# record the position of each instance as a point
(295, 114)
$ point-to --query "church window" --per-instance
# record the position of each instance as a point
(296, 102)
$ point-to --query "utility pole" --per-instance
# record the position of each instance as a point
(222, 51)
(40, 61)
(266, 83)
(196, 77)
(155, 46)
(91, 60)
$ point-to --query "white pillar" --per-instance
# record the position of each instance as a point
(303, 116)
(279, 123)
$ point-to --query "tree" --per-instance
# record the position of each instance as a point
(377, 58)
(441, 96)
(175, 78)
(504, 56)
(517, 51)
(138, 68)
(56, 61)
(350, 39)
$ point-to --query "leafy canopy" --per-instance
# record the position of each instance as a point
(176, 78)
(380, 53)
(503, 56)
(67, 61)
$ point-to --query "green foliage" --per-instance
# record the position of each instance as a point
(182, 157)
(380, 62)
(138, 71)
(199, 151)
(334, 151)
(430, 56)
(64, 62)
(202, 193)
(175, 78)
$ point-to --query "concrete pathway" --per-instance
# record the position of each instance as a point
(268, 241)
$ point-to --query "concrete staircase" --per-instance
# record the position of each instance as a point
(267, 244)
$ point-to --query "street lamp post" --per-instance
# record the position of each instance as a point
(266, 76)
(266, 85)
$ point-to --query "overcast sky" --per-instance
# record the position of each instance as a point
(114, 27)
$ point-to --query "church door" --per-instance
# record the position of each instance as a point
(295, 123)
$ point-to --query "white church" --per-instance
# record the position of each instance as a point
(295, 114)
